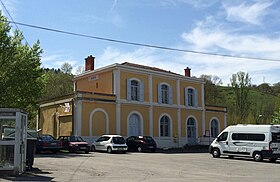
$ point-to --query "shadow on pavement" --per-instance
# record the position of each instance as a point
(61, 155)
(34, 174)
(186, 149)
(249, 159)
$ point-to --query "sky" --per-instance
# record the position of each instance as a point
(242, 28)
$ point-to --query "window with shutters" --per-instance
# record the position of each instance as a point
(191, 97)
(165, 93)
(135, 90)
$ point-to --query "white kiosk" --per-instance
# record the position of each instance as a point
(13, 150)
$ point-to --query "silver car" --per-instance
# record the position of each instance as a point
(110, 143)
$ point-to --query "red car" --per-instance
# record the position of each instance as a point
(47, 143)
(74, 143)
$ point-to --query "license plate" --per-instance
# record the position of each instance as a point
(53, 143)
(151, 147)
(83, 147)
(120, 148)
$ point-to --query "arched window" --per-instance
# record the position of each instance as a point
(164, 126)
(214, 128)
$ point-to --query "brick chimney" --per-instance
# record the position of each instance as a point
(89, 63)
(188, 72)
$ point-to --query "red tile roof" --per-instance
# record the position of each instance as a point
(147, 67)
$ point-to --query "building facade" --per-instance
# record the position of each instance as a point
(131, 99)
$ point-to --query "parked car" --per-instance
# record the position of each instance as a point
(141, 143)
(74, 143)
(47, 142)
(110, 143)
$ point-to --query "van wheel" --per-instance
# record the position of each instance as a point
(109, 150)
(216, 153)
(272, 159)
(257, 156)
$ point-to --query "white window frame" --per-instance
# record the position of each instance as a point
(168, 99)
(169, 126)
(139, 90)
(191, 101)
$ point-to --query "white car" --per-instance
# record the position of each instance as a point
(110, 143)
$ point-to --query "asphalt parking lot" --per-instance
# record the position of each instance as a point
(147, 167)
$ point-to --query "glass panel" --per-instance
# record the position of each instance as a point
(6, 156)
(134, 90)
(164, 94)
(7, 129)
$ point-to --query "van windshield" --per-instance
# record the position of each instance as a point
(276, 137)
(223, 136)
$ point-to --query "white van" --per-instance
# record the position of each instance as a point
(257, 141)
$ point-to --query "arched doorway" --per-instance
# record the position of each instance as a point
(134, 125)
(191, 131)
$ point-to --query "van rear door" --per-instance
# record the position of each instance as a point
(275, 143)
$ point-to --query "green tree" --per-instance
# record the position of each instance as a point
(212, 93)
(265, 88)
(276, 88)
(57, 83)
(241, 83)
(66, 68)
(20, 72)
(276, 117)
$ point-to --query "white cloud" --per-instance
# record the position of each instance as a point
(54, 60)
(217, 37)
(200, 4)
(246, 13)
(211, 35)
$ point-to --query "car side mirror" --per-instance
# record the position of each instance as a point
(218, 139)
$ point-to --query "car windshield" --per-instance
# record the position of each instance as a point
(76, 139)
(146, 138)
(47, 138)
(118, 140)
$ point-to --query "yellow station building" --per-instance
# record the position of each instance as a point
(131, 99)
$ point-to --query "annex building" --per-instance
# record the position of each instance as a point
(131, 99)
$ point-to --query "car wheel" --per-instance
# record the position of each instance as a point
(139, 149)
(54, 152)
(272, 159)
(109, 150)
(124, 152)
(257, 156)
(93, 148)
(153, 151)
(216, 153)
(71, 150)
